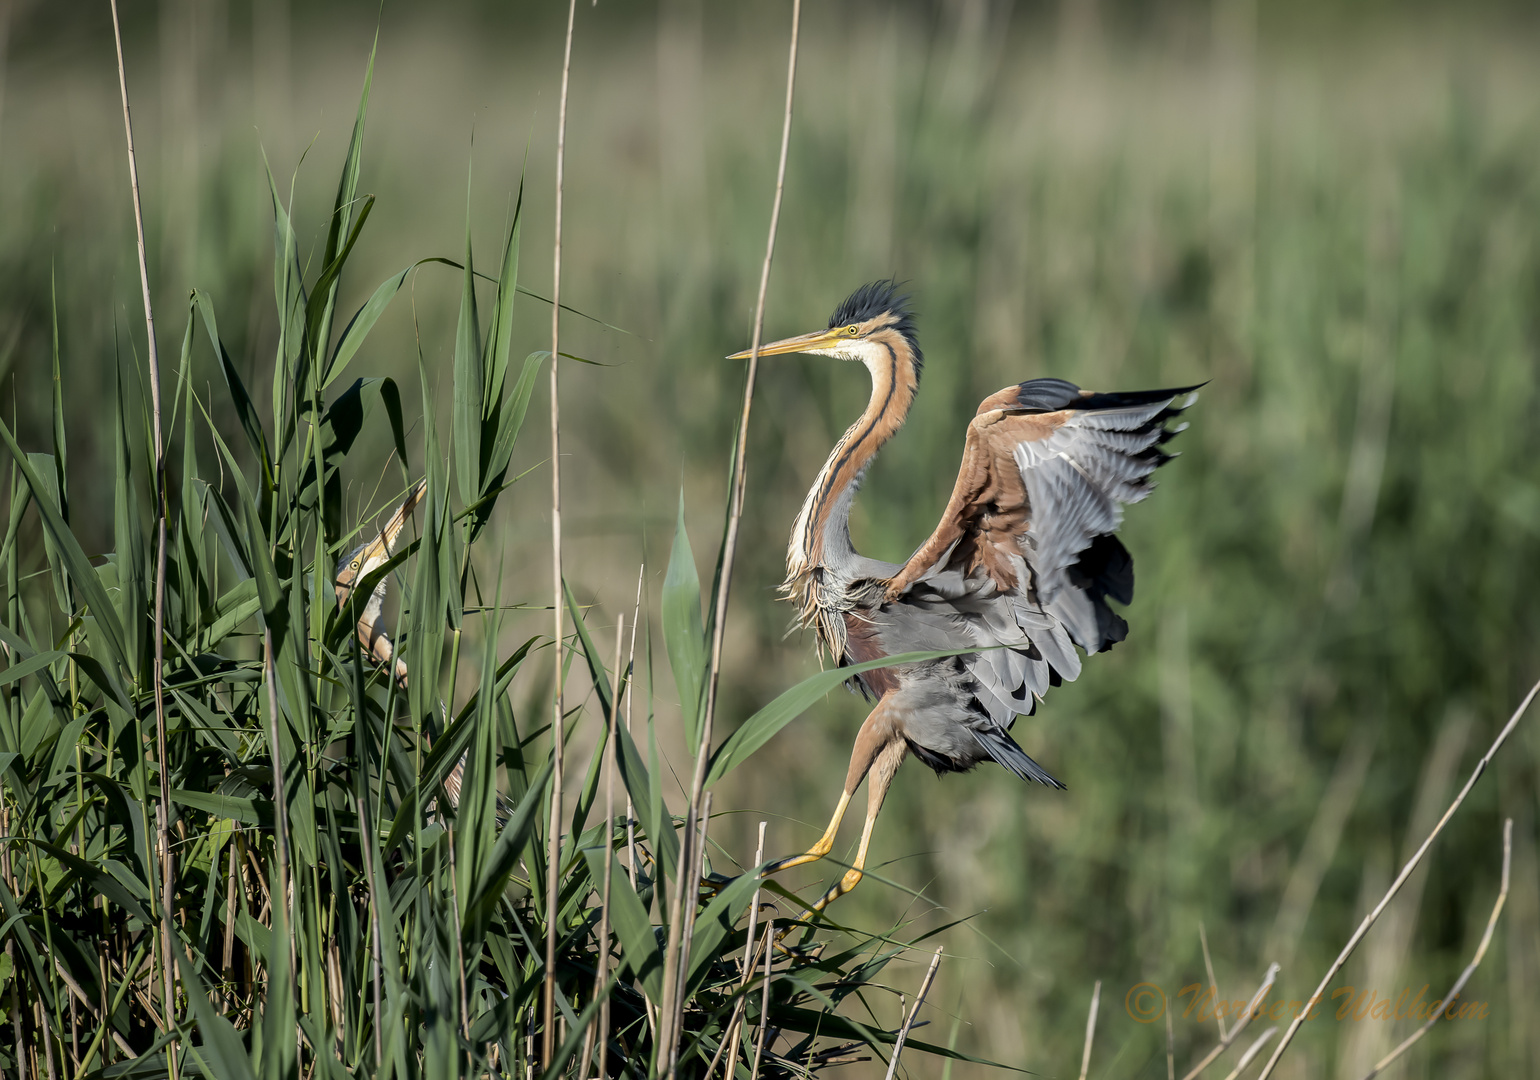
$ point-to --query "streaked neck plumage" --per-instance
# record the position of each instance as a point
(820, 545)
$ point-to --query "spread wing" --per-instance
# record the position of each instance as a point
(1025, 554)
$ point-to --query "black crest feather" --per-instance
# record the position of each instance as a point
(877, 298)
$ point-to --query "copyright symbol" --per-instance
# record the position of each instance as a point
(1145, 1002)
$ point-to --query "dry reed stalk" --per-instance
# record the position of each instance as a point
(759, 859)
(20, 1043)
(740, 457)
(682, 967)
(1170, 1048)
(1235, 1032)
(667, 1036)
(731, 1037)
(163, 817)
(1395, 886)
(764, 999)
(729, 547)
(48, 1039)
(1090, 1030)
(1251, 1052)
(77, 992)
(1470, 969)
(74, 1039)
(919, 999)
(107, 1010)
(1208, 966)
(558, 733)
(229, 942)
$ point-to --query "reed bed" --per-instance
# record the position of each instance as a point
(232, 846)
(1336, 580)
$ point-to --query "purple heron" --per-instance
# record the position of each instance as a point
(1021, 565)
(359, 564)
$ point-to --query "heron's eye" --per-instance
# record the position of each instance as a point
(852, 329)
(354, 564)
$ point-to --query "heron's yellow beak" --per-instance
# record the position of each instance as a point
(398, 520)
(818, 339)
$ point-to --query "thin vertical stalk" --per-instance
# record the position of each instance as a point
(1090, 1028)
(671, 972)
(764, 997)
(930, 977)
(42, 1020)
(689, 903)
(163, 818)
(740, 456)
(1208, 965)
(558, 734)
(1170, 1048)
(759, 859)
(731, 1040)
(668, 1036)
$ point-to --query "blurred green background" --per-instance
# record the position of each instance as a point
(1329, 212)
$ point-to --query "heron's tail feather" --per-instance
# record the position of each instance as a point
(1000, 746)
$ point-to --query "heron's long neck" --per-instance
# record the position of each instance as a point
(821, 536)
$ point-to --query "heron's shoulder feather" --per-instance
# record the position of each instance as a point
(1046, 469)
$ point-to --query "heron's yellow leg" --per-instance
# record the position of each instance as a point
(871, 741)
(824, 845)
(883, 769)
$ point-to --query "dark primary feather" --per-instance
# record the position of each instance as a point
(1078, 480)
(1078, 458)
(1050, 395)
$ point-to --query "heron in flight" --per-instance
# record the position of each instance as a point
(1021, 565)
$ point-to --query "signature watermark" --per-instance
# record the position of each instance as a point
(1147, 1003)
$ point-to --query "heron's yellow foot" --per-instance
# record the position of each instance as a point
(819, 850)
(851, 879)
(813, 854)
(713, 883)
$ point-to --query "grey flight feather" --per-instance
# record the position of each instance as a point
(1077, 481)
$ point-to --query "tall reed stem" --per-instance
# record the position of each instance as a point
(558, 733)
(163, 817)
(740, 457)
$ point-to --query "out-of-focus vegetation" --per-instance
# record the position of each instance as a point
(1332, 221)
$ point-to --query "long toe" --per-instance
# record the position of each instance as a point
(818, 852)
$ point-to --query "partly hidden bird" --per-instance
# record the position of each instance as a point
(357, 565)
(1021, 566)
